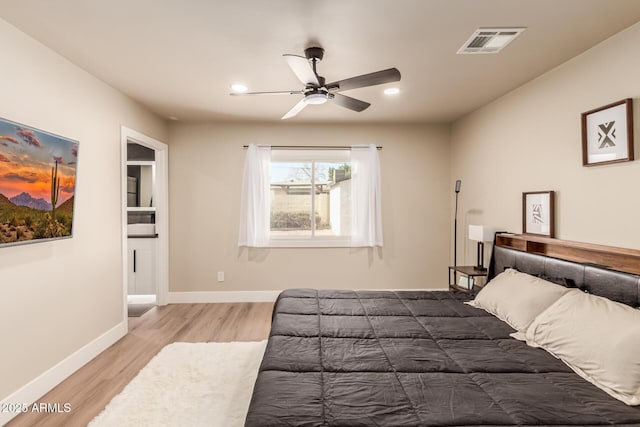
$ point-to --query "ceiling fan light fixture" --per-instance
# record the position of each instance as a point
(315, 98)
(391, 91)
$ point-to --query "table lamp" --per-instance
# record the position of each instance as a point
(481, 234)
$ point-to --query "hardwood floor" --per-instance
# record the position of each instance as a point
(95, 384)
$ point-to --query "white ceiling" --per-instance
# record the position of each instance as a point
(178, 57)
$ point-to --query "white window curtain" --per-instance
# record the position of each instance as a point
(366, 206)
(255, 205)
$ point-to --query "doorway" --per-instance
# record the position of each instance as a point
(145, 231)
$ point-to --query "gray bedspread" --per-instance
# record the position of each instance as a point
(345, 358)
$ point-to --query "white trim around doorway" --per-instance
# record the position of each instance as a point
(162, 212)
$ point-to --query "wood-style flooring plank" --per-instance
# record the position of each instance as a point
(94, 385)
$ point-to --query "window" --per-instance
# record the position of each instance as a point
(311, 197)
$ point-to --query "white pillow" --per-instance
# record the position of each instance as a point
(598, 338)
(517, 298)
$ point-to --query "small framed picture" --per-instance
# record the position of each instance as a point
(538, 214)
(607, 134)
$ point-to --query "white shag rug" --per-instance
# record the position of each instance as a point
(189, 384)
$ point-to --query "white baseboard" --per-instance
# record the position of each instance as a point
(245, 296)
(222, 296)
(44, 383)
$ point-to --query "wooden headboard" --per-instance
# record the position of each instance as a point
(620, 259)
(602, 270)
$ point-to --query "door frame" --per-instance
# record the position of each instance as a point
(162, 213)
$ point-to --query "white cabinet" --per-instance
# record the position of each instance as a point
(142, 266)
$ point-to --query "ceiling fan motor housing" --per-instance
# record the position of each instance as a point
(314, 53)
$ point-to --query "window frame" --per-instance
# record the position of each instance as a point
(311, 156)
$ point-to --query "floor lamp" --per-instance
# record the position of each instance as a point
(455, 226)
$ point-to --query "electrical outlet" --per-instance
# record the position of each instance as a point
(220, 276)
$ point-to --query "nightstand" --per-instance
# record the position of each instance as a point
(472, 273)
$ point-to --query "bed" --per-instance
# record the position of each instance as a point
(377, 358)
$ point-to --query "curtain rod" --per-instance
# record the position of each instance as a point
(312, 147)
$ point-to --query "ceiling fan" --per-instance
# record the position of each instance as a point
(317, 92)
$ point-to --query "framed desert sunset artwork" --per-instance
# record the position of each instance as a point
(37, 184)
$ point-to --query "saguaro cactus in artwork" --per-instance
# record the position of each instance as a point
(55, 187)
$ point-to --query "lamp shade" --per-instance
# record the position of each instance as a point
(481, 233)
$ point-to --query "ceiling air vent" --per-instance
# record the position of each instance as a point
(489, 40)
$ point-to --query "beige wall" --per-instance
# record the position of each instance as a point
(205, 180)
(530, 140)
(55, 297)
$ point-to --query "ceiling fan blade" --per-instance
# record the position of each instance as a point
(371, 79)
(282, 92)
(295, 110)
(302, 69)
(348, 102)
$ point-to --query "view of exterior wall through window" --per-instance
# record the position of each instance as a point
(310, 197)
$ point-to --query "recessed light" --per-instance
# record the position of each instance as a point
(391, 91)
(238, 87)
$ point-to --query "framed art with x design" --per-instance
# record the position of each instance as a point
(607, 134)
